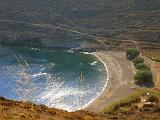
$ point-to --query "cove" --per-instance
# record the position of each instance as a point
(53, 77)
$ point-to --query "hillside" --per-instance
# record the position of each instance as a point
(125, 109)
(111, 19)
(15, 110)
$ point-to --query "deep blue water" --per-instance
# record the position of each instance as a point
(54, 77)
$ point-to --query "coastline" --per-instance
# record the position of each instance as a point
(119, 81)
(106, 84)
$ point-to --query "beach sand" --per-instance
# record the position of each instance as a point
(120, 82)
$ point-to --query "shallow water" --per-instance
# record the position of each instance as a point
(57, 78)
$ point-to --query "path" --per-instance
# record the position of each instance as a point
(73, 31)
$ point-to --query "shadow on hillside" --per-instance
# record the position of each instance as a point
(149, 84)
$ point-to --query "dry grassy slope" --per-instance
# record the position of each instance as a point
(12, 110)
(132, 107)
(143, 114)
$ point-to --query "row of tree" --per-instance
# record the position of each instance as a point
(143, 72)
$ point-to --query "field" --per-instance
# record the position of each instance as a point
(158, 81)
(154, 55)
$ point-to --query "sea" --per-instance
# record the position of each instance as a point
(58, 78)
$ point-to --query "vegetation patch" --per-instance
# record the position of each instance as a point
(143, 76)
(132, 53)
(138, 60)
(131, 102)
(125, 102)
(143, 73)
(141, 66)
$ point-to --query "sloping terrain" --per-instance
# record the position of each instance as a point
(112, 19)
(13, 110)
(143, 104)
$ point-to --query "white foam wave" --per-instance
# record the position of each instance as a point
(39, 74)
(86, 53)
(36, 49)
(70, 51)
(93, 63)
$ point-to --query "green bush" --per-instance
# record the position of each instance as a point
(125, 110)
(143, 76)
(152, 98)
(112, 107)
(142, 66)
(133, 98)
(138, 60)
(132, 53)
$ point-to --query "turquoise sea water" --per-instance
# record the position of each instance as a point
(54, 77)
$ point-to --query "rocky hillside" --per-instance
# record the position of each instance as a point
(113, 19)
(13, 110)
(130, 108)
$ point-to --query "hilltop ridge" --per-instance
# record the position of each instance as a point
(110, 19)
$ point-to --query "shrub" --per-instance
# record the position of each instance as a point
(138, 60)
(132, 53)
(112, 107)
(142, 66)
(125, 110)
(152, 98)
(142, 76)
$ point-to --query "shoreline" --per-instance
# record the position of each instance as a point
(118, 77)
(119, 84)
(104, 87)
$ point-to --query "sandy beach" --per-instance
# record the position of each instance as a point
(120, 81)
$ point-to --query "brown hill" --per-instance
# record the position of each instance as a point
(111, 19)
(125, 109)
(14, 110)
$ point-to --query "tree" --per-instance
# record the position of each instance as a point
(132, 53)
(142, 66)
(138, 60)
(143, 76)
